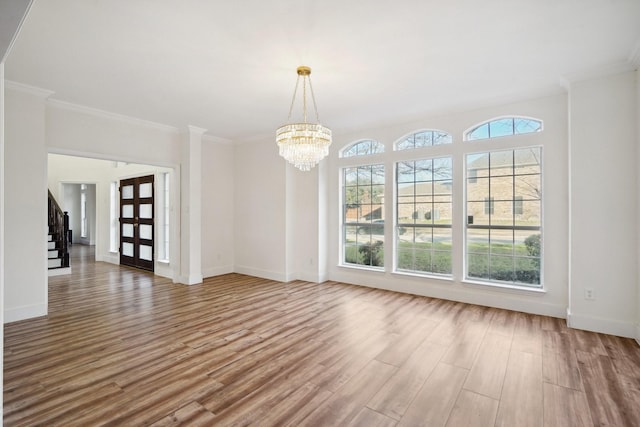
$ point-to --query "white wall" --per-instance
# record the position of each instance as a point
(218, 219)
(260, 210)
(604, 204)
(25, 265)
(553, 111)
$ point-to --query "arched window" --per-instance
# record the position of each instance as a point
(425, 138)
(363, 148)
(504, 126)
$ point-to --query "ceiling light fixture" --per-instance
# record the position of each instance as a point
(303, 144)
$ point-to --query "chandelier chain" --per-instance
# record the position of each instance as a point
(293, 99)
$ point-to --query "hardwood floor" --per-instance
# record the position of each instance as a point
(122, 347)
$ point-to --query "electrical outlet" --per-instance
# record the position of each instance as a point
(589, 294)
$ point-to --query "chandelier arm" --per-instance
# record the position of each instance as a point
(293, 99)
(313, 97)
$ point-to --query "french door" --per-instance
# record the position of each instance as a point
(136, 222)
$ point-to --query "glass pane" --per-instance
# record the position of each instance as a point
(527, 126)
(479, 190)
(501, 268)
(350, 232)
(127, 230)
(423, 139)
(146, 231)
(146, 211)
(440, 138)
(423, 237)
(350, 176)
(377, 174)
(127, 192)
(422, 260)
(351, 151)
(127, 211)
(476, 214)
(405, 259)
(478, 162)
(146, 252)
(501, 187)
(477, 241)
(405, 171)
(481, 132)
(442, 169)
(371, 254)
(528, 187)
(501, 163)
(478, 266)
(527, 160)
(501, 127)
(502, 213)
(441, 262)
(146, 190)
(351, 254)
(424, 170)
(441, 213)
(527, 270)
(405, 236)
(422, 213)
(442, 239)
(530, 214)
(501, 242)
(127, 249)
(405, 144)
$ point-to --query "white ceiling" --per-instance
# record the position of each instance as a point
(229, 66)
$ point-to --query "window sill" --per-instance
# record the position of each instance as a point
(362, 268)
(442, 277)
(505, 286)
(163, 261)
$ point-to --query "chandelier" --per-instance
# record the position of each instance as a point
(303, 144)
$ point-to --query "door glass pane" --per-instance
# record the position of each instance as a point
(127, 230)
(127, 249)
(127, 211)
(146, 211)
(146, 190)
(146, 231)
(127, 192)
(146, 252)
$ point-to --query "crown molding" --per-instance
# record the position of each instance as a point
(601, 71)
(196, 129)
(63, 105)
(24, 88)
(216, 139)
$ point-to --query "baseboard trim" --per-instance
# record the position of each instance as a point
(604, 326)
(63, 271)
(217, 271)
(24, 312)
(264, 274)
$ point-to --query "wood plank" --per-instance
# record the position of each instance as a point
(434, 402)
(488, 371)
(395, 396)
(369, 418)
(565, 407)
(347, 402)
(521, 403)
(473, 409)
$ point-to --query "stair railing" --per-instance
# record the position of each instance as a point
(59, 228)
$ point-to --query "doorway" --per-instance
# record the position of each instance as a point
(136, 222)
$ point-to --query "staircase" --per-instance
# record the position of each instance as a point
(57, 245)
